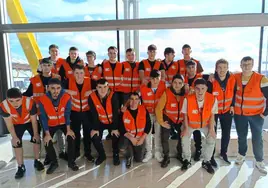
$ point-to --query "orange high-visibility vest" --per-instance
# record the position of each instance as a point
(135, 126)
(105, 115)
(186, 80)
(196, 117)
(149, 98)
(56, 67)
(95, 75)
(80, 101)
(182, 66)
(27, 104)
(131, 79)
(224, 98)
(113, 76)
(55, 114)
(148, 68)
(173, 107)
(171, 71)
(68, 70)
(249, 101)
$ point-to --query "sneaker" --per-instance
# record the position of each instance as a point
(185, 165)
(165, 162)
(148, 156)
(63, 155)
(239, 159)
(21, 171)
(73, 166)
(213, 162)
(38, 165)
(129, 162)
(158, 156)
(197, 155)
(261, 167)
(225, 158)
(89, 157)
(208, 167)
(100, 160)
(116, 160)
(179, 157)
(52, 168)
(47, 161)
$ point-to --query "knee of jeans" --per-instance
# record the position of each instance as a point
(95, 138)
(50, 144)
(211, 141)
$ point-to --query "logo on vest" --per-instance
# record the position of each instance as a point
(173, 105)
(238, 88)
(98, 106)
(38, 84)
(94, 76)
(62, 109)
(195, 111)
(182, 68)
(216, 93)
(126, 120)
(107, 69)
(70, 72)
(173, 67)
(148, 69)
(150, 94)
(127, 69)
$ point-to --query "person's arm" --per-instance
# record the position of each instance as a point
(93, 114)
(8, 120)
(29, 91)
(159, 109)
(185, 117)
(62, 73)
(163, 72)
(211, 124)
(148, 125)
(67, 113)
(264, 89)
(115, 107)
(33, 116)
(43, 117)
(210, 87)
(199, 67)
(141, 71)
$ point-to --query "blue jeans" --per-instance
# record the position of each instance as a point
(256, 125)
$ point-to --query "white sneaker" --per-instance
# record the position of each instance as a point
(261, 167)
(158, 156)
(239, 159)
(148, 156)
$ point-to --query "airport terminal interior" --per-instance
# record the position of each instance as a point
(232, 33)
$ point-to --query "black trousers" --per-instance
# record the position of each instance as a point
(97, 141)
(197, 140)
(71, 145)
(165, 138)
(130, 150)
(78, 119)
(226, 124)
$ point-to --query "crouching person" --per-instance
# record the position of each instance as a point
(199, 110)
(55, 108)
(136, 126)
(19, 113)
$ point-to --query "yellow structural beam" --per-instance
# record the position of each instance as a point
(27, 40)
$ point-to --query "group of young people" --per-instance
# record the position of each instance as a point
(137, 102)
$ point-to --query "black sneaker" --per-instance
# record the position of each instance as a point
(208, 167)
(116, 160)
(38, 165)
(165, 162)
(109, 136)
(63, 155)
(197, 155)
(129, 162)
(52, 168)
(225, 158)
(100, 160)
(47, 161)
(89, 157)
(21, 171)
(73, 166)
(185, 165)
(213, 162)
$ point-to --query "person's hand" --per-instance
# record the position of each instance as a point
(116, 133)
(232, 110)
(93, 132)
(211, 78)
(145, 81)
(187, 88)
(123, 109)
(166, 125)
(212, 133)
(15, 141)
(262, 116)
(184, 132)
(36, 138)
(70, 133)
(72, 92)
(191, 91)
(88, 93)
(140, 141)
(47, 138)
(134, 141)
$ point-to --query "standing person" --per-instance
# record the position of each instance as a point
(19, 113)
(55, 108)
(80, 89)
(199, 110)
(150, 94)
(251, 106)
(168, 114)
(104, 103)
(54, 57)
(135, 128)
(186, 51)
(223, 88)
(147, 65)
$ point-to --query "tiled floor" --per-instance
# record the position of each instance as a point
(142, 175)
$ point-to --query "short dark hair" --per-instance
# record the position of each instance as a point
(201, 81)
(169, 50)
(90, 52)
(77, 66)
(52, 46)
(73, 48)
(155, 74)
(112, 48)
(46, 61)
(130, 50)
(13, 93)
(221, 61)
(247, 58)
(152, 47)
(134, 94)
(102, 81)
(54, 81)
(190, 63)
(177, 76)
(186, 46)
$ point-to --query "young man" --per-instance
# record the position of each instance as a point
(186, 51)
(54, 57)
(103, 103)
(37, 88)
(168, 115)
(147, 65)
(150, 94)
(131, 80)
(80, 89)
(55, 108)
(66, 69)
(251, 106)
(19, 113)
(136, 127)
(199, 110)
(223, 88)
